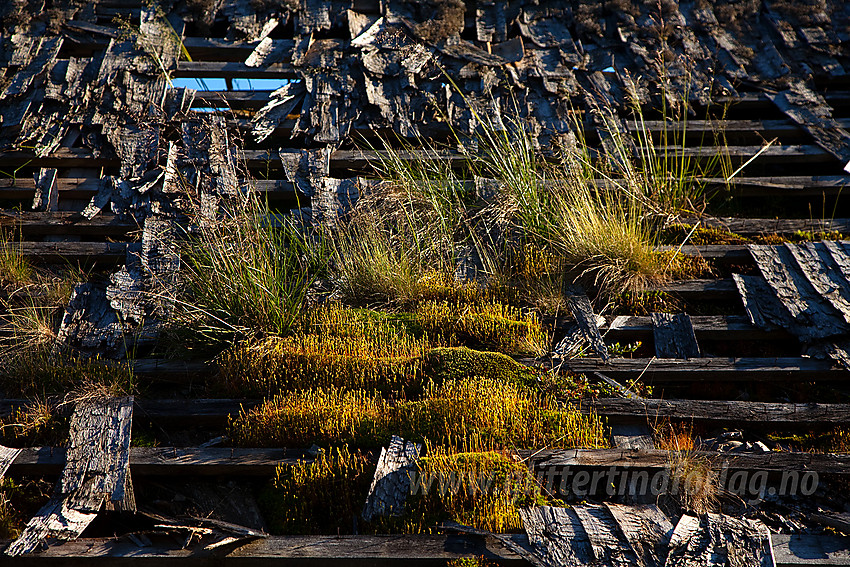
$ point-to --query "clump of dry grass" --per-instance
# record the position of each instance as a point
(488, 324)
(493, 414)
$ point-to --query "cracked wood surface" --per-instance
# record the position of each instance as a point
(95, 473)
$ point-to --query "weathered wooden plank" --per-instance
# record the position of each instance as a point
(582, 311)
(632, 436)
(674, 336)
(62, 252)
(811, 111)
(96, 472)
(233, 70)
(789, 550)
(607, 542)
(701, 289)
(816, 318)
(706, 327)
(768, 415)
(556, 536)
(99, 448)
(168, 461)
(646, 529)
(825, 274)
(713, 539)
(654, 459)
(65, 223)
(391, 483)
(707, 369)
(755, 227)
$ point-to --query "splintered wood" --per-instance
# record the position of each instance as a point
(614, 535)
(715, 539)
(805, 291)
(391, 484)
(96, 473)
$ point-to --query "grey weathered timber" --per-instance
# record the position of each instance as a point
(653, 459)
(759, 227)
(607, 542)
(808, 109)
(706, 369)
(701, 289)
(646, 529)
(556, 536)
(707, 327)
(815, 316)
(582, 311)
(713, 539)
(789, 550)
(674, 336)
(96, 472)
(61, 252)
(766, 415)
(823, 264)
(763, 308)
(99, 448)
(170, 461)
(632, 436)
(391, 483)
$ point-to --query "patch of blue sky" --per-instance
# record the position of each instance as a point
(219, 84)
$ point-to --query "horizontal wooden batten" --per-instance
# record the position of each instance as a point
(232, 70)
(37, 223)
(169, 461)
(763, 415)
(701, 289)
(362, 159)
(706, 327)
(745, 369)
(194, 461)
(773, 461)
(365, 550)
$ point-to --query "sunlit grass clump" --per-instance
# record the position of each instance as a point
(460, 413)
(334, 346)
(322, 496)
(326, 495)
(484, 324)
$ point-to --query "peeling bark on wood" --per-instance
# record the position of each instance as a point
(674, 336)
(808, 308)
(391, 483)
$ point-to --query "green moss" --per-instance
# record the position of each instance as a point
(323, 496)
(492, 325)
(455, 363)
(462, 413)
(326, 495)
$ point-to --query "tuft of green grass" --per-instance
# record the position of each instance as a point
(14, 268)
(245, 277)
(473, 412)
